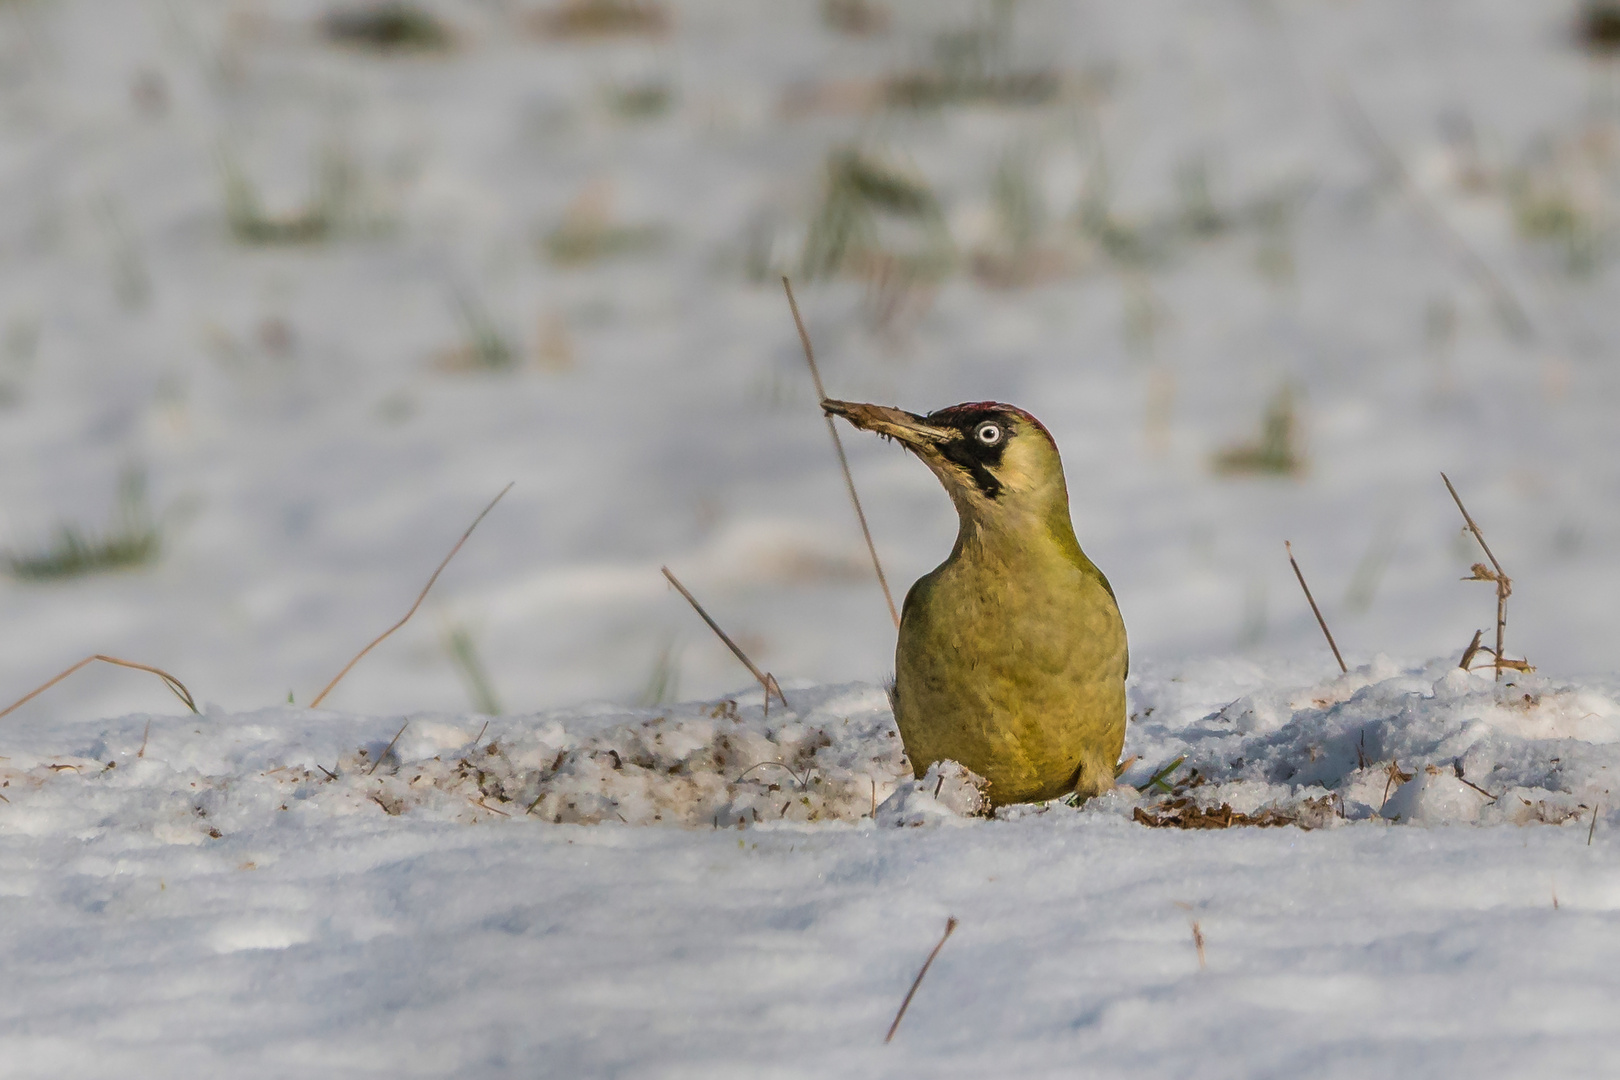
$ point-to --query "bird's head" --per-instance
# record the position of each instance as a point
(997, 461)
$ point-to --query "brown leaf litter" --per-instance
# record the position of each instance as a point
(1183, 813)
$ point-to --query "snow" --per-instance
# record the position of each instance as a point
(269, 891)
(637, 870)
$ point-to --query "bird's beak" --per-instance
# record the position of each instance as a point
(909, 428)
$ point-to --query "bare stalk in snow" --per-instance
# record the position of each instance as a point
(950, 925)
(378, 640)
(387, 748)
(175, 685)
(765, 678)
(838, 446)
(1504, 589)
(1314, 609)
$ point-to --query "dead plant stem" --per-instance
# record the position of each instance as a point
(1504, 584)
(1314, 609)
(387, 748)
(838, 446)
(378, 640)
(950, 925)
(766, 680)
(175, 686)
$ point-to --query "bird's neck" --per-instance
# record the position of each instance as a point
(1017, 533)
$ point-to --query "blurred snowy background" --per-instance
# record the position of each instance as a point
(289, 290)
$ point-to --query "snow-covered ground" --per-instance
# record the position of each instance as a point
(324, 302)
(259, 894)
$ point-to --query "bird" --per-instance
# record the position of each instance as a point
(1012, 657)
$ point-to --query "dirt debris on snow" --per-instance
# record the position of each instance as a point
(1427, 745)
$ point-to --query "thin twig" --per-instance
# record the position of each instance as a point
(1198, 943)
(387, 748)
(480, 734)
(765, 680)
(1457, 769)
(1593, 827)
(1467, 661)
(420, 597)
(1506, 303)
(175, 685)
(1504, 584)
(843, 462)
(330, 775)
(1314, 609)
(1473, 527)
(804, 785)
(950, 925)
(144, 736)
(482, 805)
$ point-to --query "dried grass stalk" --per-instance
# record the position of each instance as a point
(838, 447)
(175, 685)
(950, 925)
(378, 640)
(1314, 609)
(765, 678)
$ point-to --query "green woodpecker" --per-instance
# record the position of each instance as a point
(1012, 655)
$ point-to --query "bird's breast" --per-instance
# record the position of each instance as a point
(972, 614)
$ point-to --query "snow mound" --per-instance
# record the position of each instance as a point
(947, 792)
(1427, 746)
(835, 757)
(1421, 746)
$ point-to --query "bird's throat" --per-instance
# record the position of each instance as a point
(1014, 530)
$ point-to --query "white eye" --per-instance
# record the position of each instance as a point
(988, 433)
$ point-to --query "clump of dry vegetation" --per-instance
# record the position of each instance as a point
(1562, 197)
(1177, 808)
(883, 225)
(133, 539)
(588, 233)
(390, 27)
(973, 64)
(870, 207)
(485, 347)
(857, 18)
(1504, 589)
(1276, 453)
(334, 207)
(639, 101)
(1183, 813)
(603, 18)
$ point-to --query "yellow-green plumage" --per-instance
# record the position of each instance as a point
(1012, 655)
